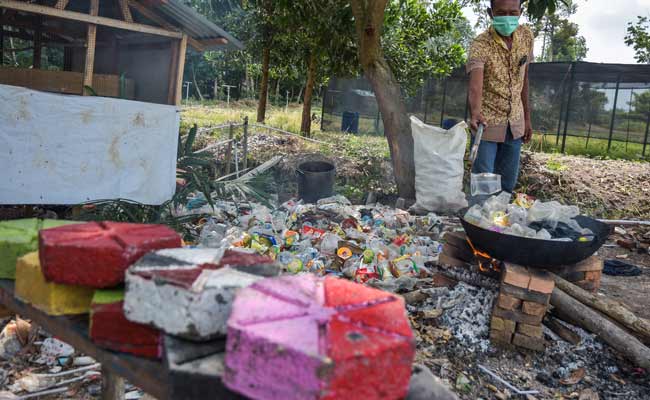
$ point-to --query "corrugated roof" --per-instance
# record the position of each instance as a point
(195, 24)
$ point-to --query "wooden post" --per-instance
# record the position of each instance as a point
(245, 143)
(124, 8)
(173, 66)
(36, 61)
(90, 49)
(182, 48)
(112, 385)
(231, 135)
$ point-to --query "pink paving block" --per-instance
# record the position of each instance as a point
(96, 254)
(305, 337)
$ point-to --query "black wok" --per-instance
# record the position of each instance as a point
(537, 252)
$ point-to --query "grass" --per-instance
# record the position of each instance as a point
(372, 145)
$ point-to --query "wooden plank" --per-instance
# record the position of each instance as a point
(173, 66)
(126, 12)
(214, 42)
(89, 19)
(112, 385)
(66, 82)
(150, 14)
(182, 48)
(61, 4)
(90, 48)
(146, 374)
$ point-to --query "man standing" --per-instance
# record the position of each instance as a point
(498, 91)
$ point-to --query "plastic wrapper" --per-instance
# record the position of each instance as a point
(485, 184)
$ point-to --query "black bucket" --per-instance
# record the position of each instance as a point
(315, 180)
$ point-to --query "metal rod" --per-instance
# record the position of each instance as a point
(444, 102)
(245, 143)
(568, 105)
(647, 130)
(611, 124)
(508, 385)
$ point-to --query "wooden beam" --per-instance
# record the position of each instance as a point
(148, 13)
(171, 81)
(89, 19)
(38, 37)
(126, 12)
(61, 4)
(182, 48)
(214, 42)
(90, 49)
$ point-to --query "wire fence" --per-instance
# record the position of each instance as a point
(586, 104)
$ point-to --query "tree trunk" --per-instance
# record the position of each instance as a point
(305, 125)
(574, 311)
(613, 309)
(264, 85)
(196, 86)
(299, 95)
(369, 18)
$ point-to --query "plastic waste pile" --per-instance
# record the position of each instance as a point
(330, 237)
(530, 218)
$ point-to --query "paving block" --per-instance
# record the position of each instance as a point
(515, 275)
(305, 337)
(19, 237)
(189, 292)
(501, 337)
(524, 294)
(96, 254)
(110, 329)
(508, 302)
(530, 308)
(541, 282)
(590, 286)
(531, 343)
(535, 331)
(51, 298)
(592, 263)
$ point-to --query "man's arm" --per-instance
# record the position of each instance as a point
(476, 98)
(528, 132)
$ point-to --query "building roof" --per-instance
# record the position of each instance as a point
(194, 24)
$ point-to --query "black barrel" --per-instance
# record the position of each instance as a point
(350, 122)
(315, 180)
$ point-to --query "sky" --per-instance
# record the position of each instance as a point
(603, 23)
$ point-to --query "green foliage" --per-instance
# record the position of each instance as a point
(423, 38)
(638, 37)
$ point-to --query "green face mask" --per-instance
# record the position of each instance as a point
(505, 25)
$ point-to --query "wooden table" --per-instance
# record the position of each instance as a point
(198, 378)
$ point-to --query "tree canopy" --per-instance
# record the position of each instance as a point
(638, 37)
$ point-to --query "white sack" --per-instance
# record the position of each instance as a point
(57, 149)
(439, 166)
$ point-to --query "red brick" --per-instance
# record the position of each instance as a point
(508, 302)
(541, 282)
(96, 254)
(534, 331)
(536, 309)
(515, 275)
(460, 253)
(590, 286)
(592, 263)
(593, 276)
(448, 261)
(524, 294)
(501, 337)
(530, 343)
(500, 324)
(517, 316)
(573, 276)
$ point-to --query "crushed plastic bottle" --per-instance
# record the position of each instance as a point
(212, 234)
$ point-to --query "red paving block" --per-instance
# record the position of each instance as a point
(320, 338)
(96, 254)
(110, 329)
(541, 282)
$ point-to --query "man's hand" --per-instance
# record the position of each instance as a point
(528, 132)
(476, 121)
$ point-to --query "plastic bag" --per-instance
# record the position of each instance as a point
(485, 184)
(439, 167)
(552, 212)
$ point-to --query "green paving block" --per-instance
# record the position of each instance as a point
(19, 237)
(108, 296)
